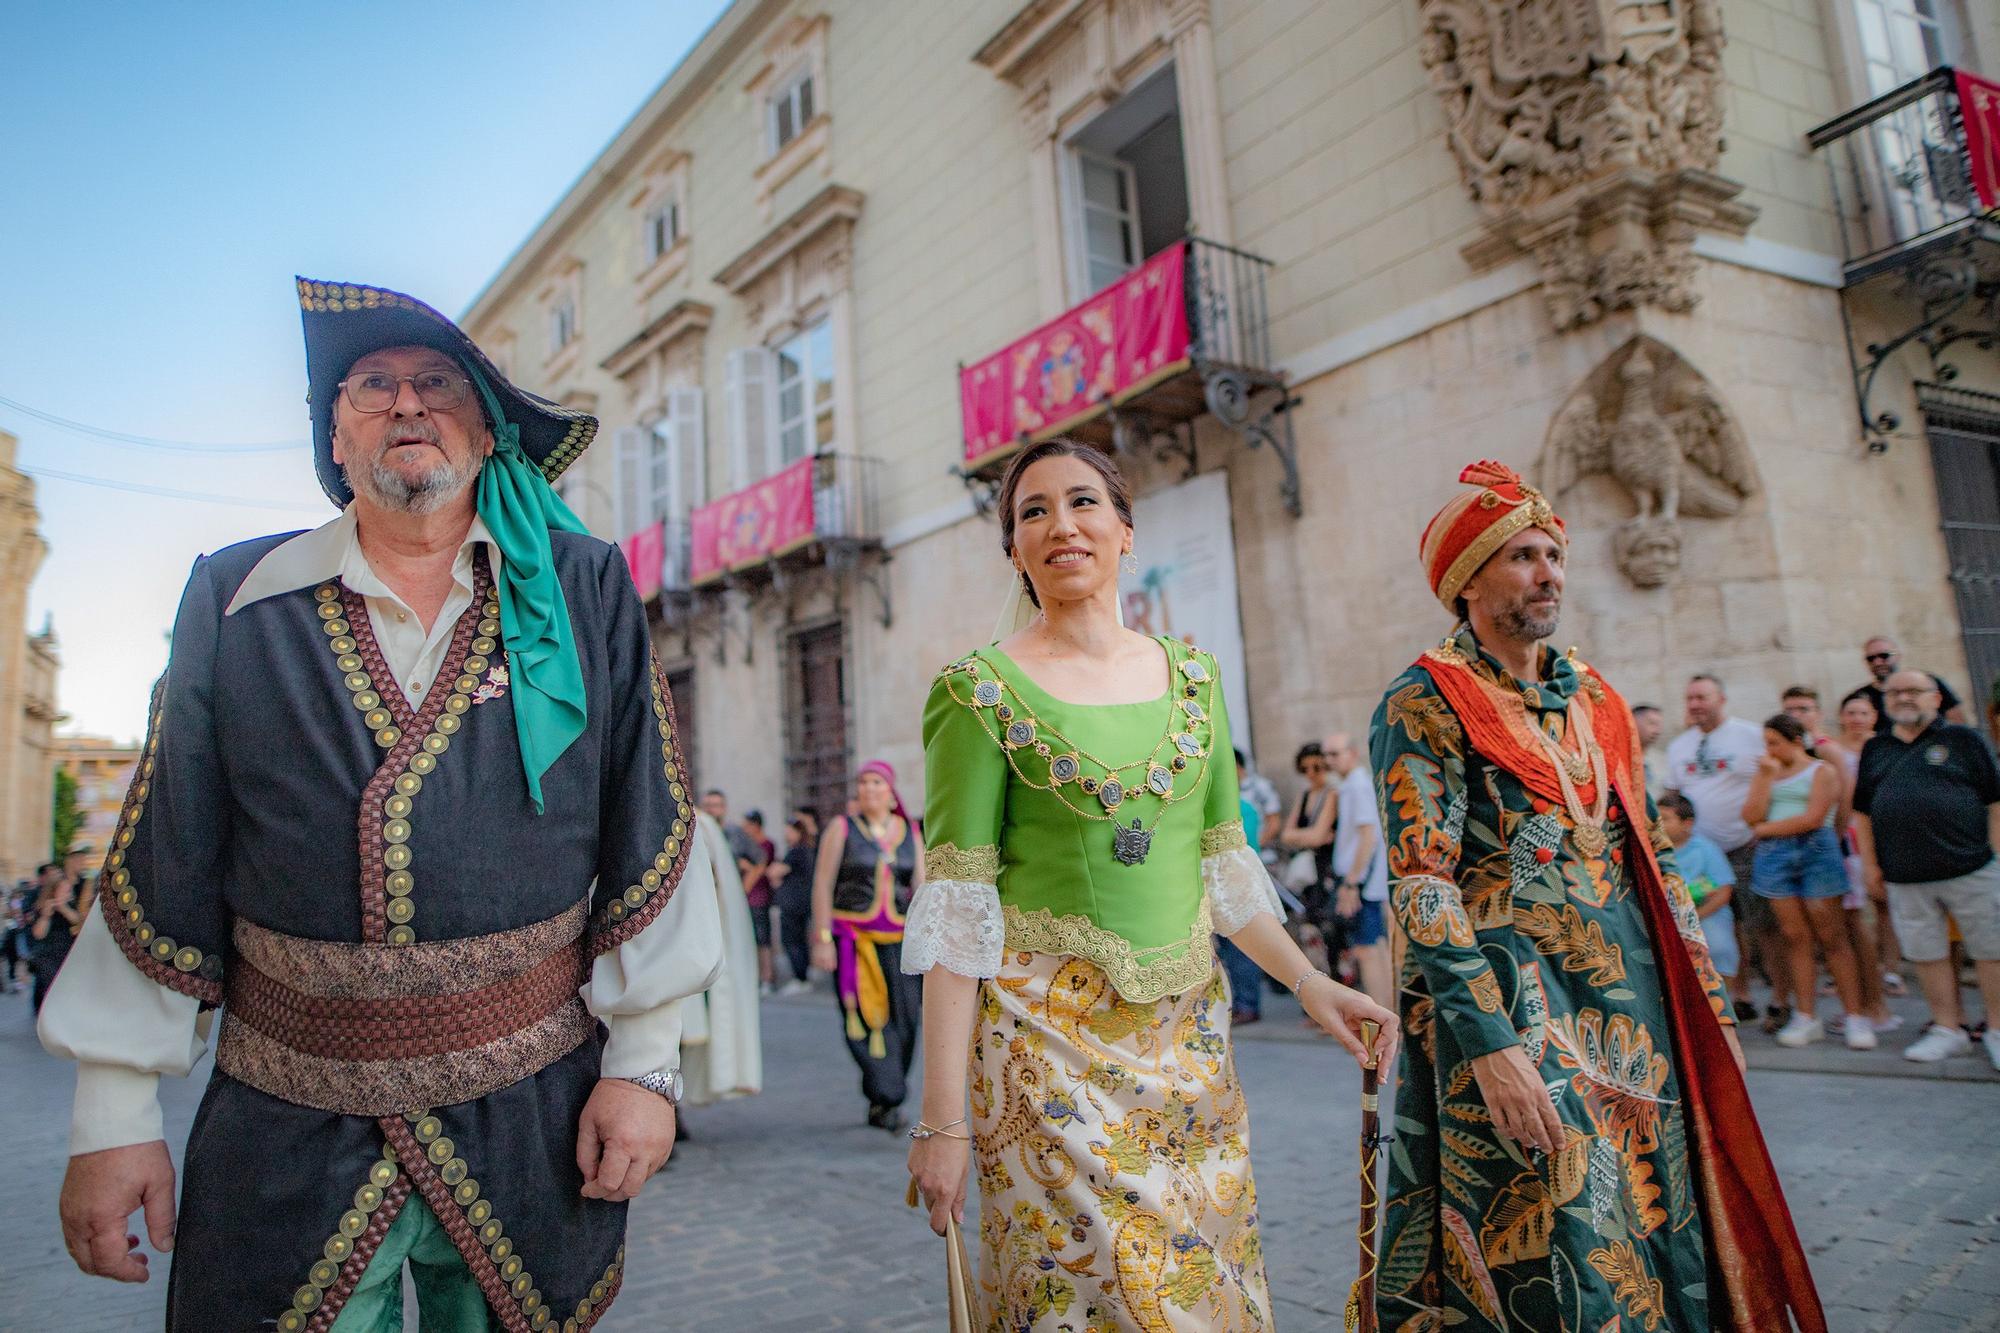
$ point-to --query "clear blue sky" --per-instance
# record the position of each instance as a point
(168, 168)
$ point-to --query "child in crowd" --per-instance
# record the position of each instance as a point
(1705, 870)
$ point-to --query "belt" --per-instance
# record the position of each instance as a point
(386, 1029)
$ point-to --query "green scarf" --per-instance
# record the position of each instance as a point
(544, 675)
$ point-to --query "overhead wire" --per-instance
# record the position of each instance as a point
(149, 441)
(141, 488)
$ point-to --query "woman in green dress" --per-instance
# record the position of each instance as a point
(1084, 844)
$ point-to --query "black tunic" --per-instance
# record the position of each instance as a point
(268, 799)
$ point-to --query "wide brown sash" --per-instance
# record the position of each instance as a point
(379, 1029)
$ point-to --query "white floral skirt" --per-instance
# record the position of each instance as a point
(1113, 1152)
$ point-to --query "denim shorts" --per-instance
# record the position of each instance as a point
(1806, 865)
(1367, 925)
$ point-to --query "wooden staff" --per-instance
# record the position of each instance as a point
(1361, 1297)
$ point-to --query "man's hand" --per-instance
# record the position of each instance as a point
(1514, 1093)
(626, 1134)
(1872, 882)
(100, 1192)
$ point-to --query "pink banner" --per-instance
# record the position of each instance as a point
(646, 554)
(1979, 108)
(1118, 343)
(760, 521)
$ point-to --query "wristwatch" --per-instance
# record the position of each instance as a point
(666, 1082)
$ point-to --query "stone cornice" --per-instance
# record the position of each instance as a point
(684, 319)
(834, 206)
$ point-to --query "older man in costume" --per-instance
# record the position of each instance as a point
(1575, 1146)
(411, 812)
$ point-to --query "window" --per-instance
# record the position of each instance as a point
(804, 374)
(791, 109)
(562, 323)
(1108, 190)
(661, 468)
(1125, 191)
(661, 228)
(1902, 40)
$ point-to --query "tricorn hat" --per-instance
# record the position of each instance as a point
(344, 321)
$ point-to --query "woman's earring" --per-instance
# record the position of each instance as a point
(1130, 564)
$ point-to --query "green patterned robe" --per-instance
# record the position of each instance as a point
(1517, 938)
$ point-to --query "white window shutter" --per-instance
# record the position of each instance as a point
(749, 415)
(628, 449)
(690, 463)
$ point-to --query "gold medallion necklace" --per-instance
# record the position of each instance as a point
(1186, 741)
(1589, 832)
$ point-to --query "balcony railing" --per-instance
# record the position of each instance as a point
(1903, 179)
(1185, 334)
(818, 507)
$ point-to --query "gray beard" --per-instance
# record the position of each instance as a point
(431, 490)
(1520, 624)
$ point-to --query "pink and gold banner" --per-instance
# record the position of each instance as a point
(1979, 108)
(1121, 341)
(755, 523)
(646, 554)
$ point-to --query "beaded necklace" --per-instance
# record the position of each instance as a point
(993, 700)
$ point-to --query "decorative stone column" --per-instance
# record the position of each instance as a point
(1201, 120)
(1042, 206)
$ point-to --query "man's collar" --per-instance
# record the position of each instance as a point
(326, 552)
(1935, 722)
(1559, 675)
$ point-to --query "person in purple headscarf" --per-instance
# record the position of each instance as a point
(870, 863)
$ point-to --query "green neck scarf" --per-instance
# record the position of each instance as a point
(544, 675)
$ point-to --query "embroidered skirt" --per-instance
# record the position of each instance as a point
(1113, 1153)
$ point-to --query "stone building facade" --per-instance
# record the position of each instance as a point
(1594, 241)
(28, 666)
(103, 771)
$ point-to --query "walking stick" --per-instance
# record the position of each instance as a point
(1361, 1297)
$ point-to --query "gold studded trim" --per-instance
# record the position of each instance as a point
(979, 865)
(1223, 838)
(441, 1174)
(331, 1280)
(631, 911)
(174, 964)
(327, 297)
(1139, 975)
(581, 433)
(413, 741)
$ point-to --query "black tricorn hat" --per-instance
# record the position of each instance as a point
(345, 321)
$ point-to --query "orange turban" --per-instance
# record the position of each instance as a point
(1475, 524)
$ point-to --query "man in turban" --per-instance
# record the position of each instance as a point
(1575, 1146)
(411, 811)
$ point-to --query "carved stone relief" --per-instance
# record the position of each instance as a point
(1587, 132)
(1656, 425)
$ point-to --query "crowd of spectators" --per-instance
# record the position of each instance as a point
(1820, 863)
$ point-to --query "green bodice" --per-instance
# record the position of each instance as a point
(1019, 796)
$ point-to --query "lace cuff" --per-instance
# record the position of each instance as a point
(954, 924)
(1238, 888)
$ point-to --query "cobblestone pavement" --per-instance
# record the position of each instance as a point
(784, 1214)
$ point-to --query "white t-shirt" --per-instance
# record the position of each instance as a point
(1357, 808)
(1713, 770)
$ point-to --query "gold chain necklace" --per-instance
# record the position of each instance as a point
(1187, 741)
(1589, 833)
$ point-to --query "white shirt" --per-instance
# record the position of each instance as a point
(1713, 770)
(125, 1030)
(1357, 811)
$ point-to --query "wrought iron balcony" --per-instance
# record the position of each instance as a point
(820, 510)
(1903, 175)
(1916, 181)
(1185, 334)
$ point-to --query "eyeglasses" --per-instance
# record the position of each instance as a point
(376, 391)
(1878, 657)
(1914, 692)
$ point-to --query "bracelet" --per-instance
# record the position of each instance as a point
(924, 1131)
(1304, 977)
(825, 935)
